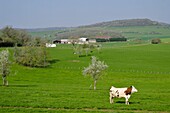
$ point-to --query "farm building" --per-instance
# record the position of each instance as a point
(103, 37)
(77, 41)
(61, 41)
(92, 40)
(65, 41)
(83, 40)
(86, 41)
(56, 41)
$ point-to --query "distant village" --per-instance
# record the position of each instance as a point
(84, 40)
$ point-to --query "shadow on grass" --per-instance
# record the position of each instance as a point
(22, 85)
(123, 102)
(85, 55)
(53, 61)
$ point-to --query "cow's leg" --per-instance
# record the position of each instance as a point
(127, 99)
(111, 98)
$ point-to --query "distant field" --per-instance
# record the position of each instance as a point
(62, 87)
(132, 33)
(44, 34)
(144, 32)
(166, 40)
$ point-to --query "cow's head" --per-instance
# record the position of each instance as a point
(134, 89)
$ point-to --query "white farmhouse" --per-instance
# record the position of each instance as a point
(64, 41)
(92, 40)
(83, 41)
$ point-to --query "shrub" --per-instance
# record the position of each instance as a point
(31, 56)
(156, 41)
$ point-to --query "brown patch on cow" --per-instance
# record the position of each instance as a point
(128, 91)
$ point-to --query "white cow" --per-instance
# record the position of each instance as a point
(122, 92)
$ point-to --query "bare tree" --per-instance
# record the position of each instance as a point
(4, 66)
(95, 69)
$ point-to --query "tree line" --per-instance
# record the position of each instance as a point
(10, 37)
(28, 50)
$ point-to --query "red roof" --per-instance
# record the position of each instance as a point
(103, 37)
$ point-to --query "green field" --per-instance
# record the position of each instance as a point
(62, 87)
(144, 33)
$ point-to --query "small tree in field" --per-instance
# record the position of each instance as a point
(95, 70)
(155, 41)
(4, 66)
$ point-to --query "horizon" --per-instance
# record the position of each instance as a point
(34, 14)
(85, 25)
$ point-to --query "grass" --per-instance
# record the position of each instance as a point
(62, 87)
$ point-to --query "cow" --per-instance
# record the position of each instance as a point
(122, 92)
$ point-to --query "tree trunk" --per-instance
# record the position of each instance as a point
(5, 82)
(95, 81)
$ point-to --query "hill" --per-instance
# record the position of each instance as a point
(89, 32)
(127, 22)
(130, 28)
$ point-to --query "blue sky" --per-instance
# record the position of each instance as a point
(70, 13)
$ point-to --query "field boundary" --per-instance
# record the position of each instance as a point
(80, 109)
(118, 70)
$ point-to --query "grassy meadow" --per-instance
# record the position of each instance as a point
(61, 87)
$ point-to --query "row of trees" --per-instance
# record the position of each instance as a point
(111, 40)
(10, 37)
(32, 53)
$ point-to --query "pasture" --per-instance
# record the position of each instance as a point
(61, 87)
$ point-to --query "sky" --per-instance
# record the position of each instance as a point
(73, 13)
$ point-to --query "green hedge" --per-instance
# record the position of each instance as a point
(6, 44)
(111, 39)
(118, 39)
